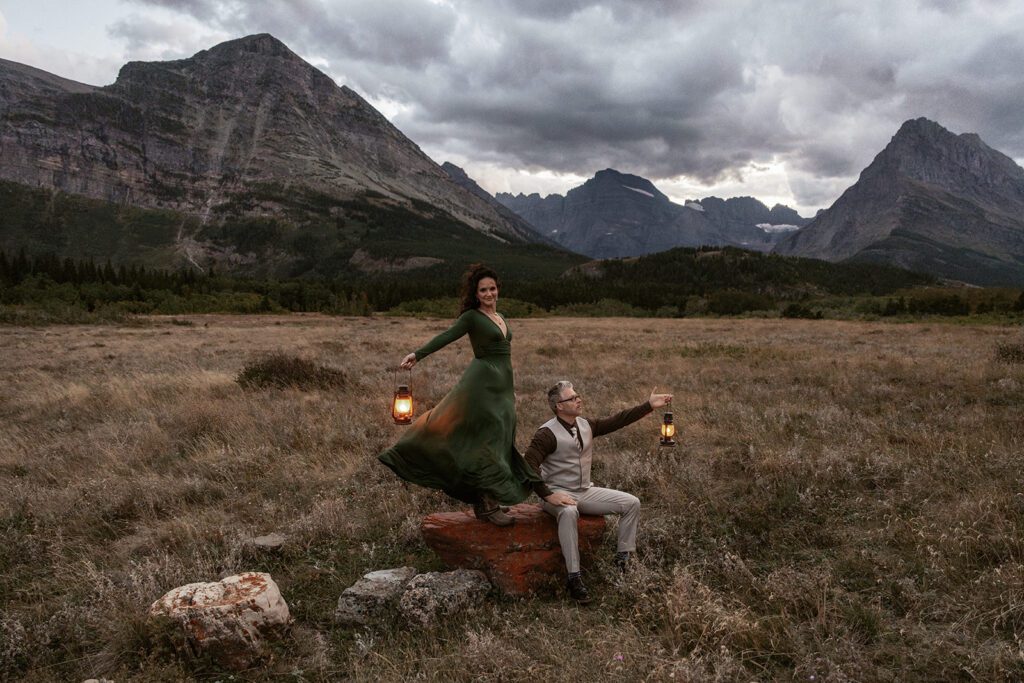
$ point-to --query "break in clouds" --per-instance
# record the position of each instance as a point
(702, 89)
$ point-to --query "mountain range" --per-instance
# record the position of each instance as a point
(616, 214)
(248, 158)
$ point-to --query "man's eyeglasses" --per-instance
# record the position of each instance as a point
(577, 397)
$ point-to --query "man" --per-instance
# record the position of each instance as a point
(562, 452)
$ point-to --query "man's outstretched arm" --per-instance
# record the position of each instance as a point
(607, 425)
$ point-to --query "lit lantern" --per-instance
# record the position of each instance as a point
(668, 430)
(402, 406)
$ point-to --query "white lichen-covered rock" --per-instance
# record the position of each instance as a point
(369, 598)
(272, 541)
(433, 595)
(230, 619)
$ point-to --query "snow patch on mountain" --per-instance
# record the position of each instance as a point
(637, 189)
(781, 227)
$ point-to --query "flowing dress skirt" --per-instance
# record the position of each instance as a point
(465, 445)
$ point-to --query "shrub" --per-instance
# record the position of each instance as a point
(281, 371)
(432, 308)
(515, 308)
(1010, 353)
(938, 303)
(795, 310)
(602, 308)
(734, 302)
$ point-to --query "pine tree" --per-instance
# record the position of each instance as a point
(108, 275)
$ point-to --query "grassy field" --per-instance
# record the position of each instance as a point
(846, 504)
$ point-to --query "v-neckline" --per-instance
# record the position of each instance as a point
(504, 335)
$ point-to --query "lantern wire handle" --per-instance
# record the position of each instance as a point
(394, 374)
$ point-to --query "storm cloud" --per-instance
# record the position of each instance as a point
(701, 90)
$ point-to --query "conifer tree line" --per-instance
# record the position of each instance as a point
(676, 283)
(15, 270)
(47, 279)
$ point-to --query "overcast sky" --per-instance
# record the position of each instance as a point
(785, 101)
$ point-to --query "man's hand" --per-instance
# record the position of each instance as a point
(659, 400)
(408, 362)
(560, 498)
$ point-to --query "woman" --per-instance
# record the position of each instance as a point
(465, 445)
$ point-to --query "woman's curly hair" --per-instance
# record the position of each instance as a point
(470, 281)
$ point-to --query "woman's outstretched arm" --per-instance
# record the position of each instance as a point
(458, 329)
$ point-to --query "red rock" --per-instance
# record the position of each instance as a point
(520, 559)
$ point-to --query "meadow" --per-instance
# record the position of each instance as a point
(846, 502)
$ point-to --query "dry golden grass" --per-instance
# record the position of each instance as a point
(846, 503)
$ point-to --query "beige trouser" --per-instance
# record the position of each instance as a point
(594, 501)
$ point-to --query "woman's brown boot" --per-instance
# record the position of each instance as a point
(489, 511)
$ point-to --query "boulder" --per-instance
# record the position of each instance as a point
(372, 596)
(273, 541)
(434, 595)
(520, 559)
(229, 619)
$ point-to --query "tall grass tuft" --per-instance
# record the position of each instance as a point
(1010, 352)
(281, 371)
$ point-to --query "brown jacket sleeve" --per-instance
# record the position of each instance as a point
(607, 425)
(542, 445)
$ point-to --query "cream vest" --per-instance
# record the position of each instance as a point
(568, 468)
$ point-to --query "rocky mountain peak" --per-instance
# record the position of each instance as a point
(457, 173)
(233, 66)
(259, 44)
(239, 129)
(932, 201)
(611, 180)
(924, 151)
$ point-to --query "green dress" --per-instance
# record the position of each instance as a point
(465, 445)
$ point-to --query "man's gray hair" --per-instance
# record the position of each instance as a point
(556, 391)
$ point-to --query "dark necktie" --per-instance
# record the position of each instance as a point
(576, 436)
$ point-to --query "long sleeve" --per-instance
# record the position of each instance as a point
(607, 425)
(542, 445)
(458, 329)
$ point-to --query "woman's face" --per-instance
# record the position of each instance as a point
(487, 291)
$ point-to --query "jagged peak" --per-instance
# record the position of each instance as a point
(259, 43)
(241, 55)
(921, 143)
(922, 128)
(231, 50)
(612, 174)
(454, 171)
(634, 182)
(920, 125)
